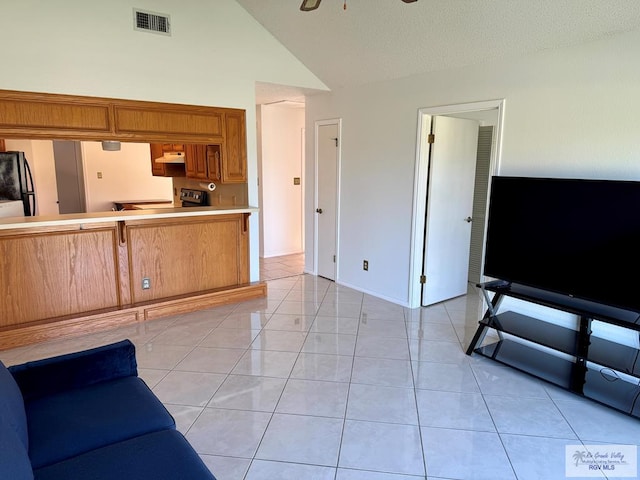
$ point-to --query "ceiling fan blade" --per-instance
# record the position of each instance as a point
(308, 5)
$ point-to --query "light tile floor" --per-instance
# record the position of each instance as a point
(321, 382)
(282, 266)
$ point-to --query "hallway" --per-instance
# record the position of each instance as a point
(280, 267)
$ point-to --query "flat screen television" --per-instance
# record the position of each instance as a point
(575, 237)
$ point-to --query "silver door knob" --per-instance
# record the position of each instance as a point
(318, 210)
(468, 219)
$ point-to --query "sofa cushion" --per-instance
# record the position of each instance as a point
(164, 455)
(14, 460)
(12, 412)
(76, 421)
(52, 375)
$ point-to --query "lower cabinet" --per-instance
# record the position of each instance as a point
(69, 280)
(58, 273)
(573, 359)
(187, 255)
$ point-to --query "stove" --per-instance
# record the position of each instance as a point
(193, 198)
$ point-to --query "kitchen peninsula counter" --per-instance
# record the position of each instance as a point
(73, 274)
(124, 215)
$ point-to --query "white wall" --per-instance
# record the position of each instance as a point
(216, 54)
(281, 161)
(570, 112)
(126, 175)
(39, 154)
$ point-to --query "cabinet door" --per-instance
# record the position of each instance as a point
(234, 158)
(214, 158)
(196, 161)
(200, 152)
(173, 147)
(157, 169)
(189, 162)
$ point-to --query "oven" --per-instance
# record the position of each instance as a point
(193, 198)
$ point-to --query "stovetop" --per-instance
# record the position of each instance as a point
(193, 198)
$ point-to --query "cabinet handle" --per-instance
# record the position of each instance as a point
(219, 171)
(122, 232)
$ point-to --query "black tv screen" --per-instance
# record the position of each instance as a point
(575, 237)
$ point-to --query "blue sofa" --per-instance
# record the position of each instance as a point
(88, 415)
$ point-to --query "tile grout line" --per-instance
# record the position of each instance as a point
(253, 459)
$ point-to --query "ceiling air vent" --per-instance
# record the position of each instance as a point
(151, 22)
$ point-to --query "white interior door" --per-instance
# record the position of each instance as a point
(449, 208)
(326, 204)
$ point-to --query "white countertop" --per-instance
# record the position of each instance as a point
(98, 217)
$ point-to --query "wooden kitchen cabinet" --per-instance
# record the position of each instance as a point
(87, 276)
(224, 162)
(234, 157)
(2, 146)
(166, 169)
(204, 162)
(214, 162)
(195, 162)
(74, 117)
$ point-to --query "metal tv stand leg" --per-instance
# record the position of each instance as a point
(492, 308)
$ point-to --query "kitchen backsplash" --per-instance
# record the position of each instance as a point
(225, 195)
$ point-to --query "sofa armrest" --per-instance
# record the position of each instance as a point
(74, 370)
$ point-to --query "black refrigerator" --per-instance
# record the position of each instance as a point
(16, 181)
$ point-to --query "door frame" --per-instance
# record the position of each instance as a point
(317, 125)
(425, 116)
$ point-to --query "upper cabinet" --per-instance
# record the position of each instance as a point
(214, 139)
(224, 162)
(72, 117)
(161, 169)
(142, 119)
(234, 159)
(2, 146)
(195, 162)
(38, 115)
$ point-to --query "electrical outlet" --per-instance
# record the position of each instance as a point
(99, 174)
(365, 265)
(146, 283)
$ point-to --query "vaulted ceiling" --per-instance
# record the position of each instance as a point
(376, 40)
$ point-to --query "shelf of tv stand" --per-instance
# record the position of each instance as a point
(599, 385)
(540, 364)
(535, 330)
(590, 367)
(604, 352)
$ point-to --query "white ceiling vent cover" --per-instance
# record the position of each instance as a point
(151, 22)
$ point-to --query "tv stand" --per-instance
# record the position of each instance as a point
(599, 369)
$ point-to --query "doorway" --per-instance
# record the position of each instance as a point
(67, 156)
(494, 108)
(327, 188)
(280, 128)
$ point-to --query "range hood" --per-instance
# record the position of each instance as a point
(171, 157)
